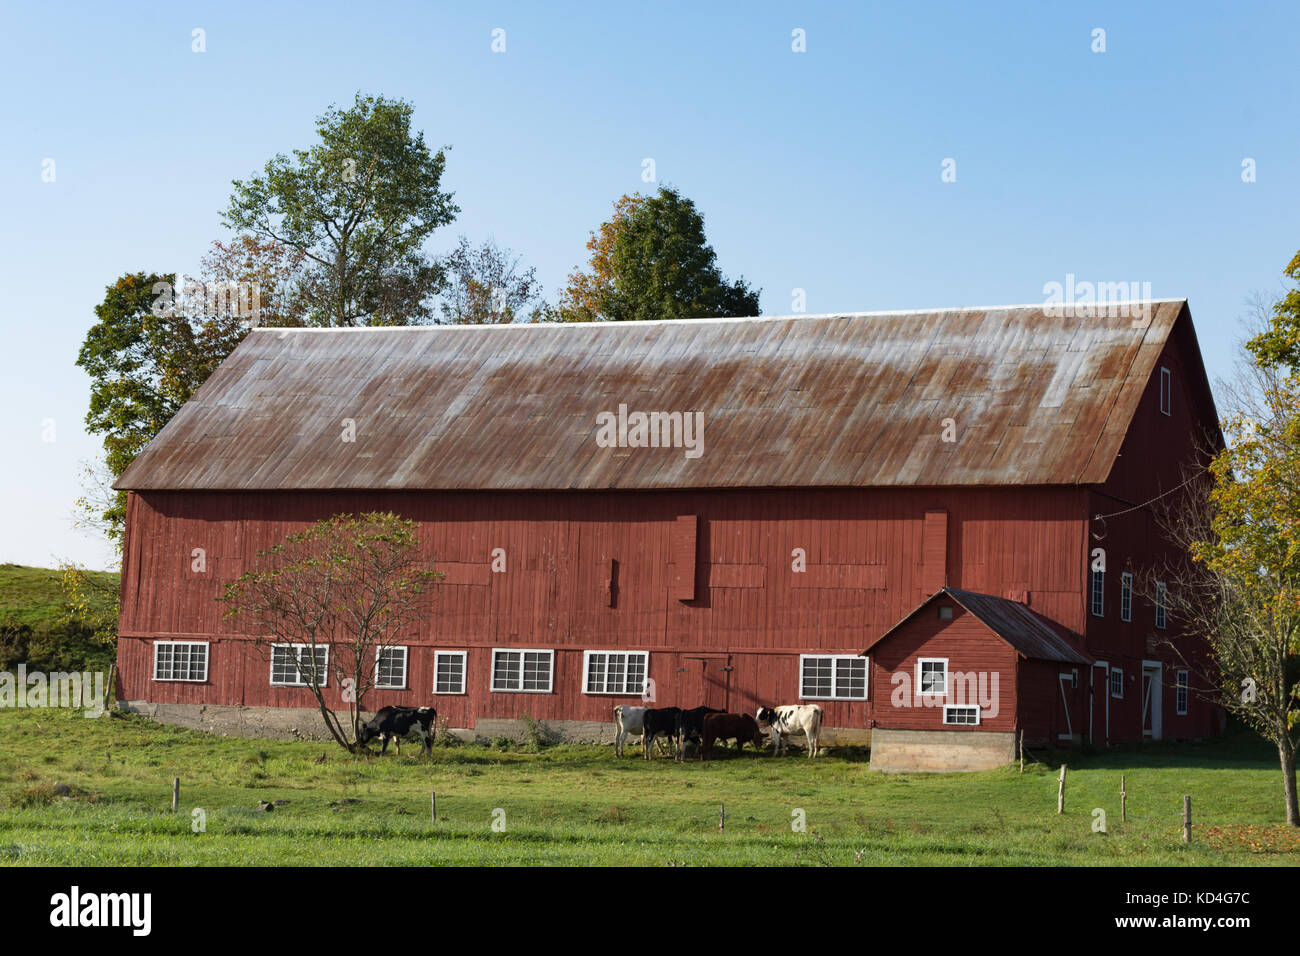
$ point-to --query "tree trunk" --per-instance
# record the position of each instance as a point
(1286, 753)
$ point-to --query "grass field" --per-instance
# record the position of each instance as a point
(579, 805)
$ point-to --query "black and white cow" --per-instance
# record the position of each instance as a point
(781, 722)
(394, 723)
(656, 721)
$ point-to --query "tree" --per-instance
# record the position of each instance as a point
(651, 261)
(1279, 343)
(358, 205)
(350, 584)
(156, 339)
(485, 286)
(1240, 588)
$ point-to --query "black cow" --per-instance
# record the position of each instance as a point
(662, 720)
(690, 725)
(394, 723)
(724, 727)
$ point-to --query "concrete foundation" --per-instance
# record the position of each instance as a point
(940, 751)
(304, 723)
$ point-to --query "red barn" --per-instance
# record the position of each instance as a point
(727, 512)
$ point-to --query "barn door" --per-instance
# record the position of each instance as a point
(1151, 700)
(706, 681)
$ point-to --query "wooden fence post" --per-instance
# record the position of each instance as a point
(1123, 801)
(722, 817)
(1187, 818)
(1022, 751)
(1060, 792)
(176, 793)
(433, 806)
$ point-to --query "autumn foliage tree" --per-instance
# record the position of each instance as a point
(651, 260)
(339, 592)
(487, 285)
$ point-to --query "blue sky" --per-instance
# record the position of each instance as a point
(818, 170)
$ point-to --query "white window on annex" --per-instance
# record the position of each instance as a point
(932, 676)
(968, 716)
(180, 660)
(615, 672)
(292, 665)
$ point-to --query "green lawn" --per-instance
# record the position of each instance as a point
(580, 805)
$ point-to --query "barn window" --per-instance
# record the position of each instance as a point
(522, 671)
(615, 672)
(1117, 683)
(967, 716)
(180, 660)
(1162, 615)
(1126, 597)
(1181, 689)
(390, 668)
(932, 676)
(945, 612)
(1098, 593)
(449, 672)
(832, 677)
(294, 665)
(1166, 391)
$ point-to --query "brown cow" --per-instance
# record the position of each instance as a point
(724, 727)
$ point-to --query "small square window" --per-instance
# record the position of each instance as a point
(390, 668)
(449, 672)
(945, 612)
(932, 676)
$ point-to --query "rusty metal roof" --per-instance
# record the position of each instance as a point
(797, 401)
(1032, 636)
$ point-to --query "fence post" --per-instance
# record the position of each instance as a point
(176, 793)
(722, 816)
(1187, 818)
(433, 806)
(1060, 792)
(1123, 801)
(1022, 751)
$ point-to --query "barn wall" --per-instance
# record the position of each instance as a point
(599, 571)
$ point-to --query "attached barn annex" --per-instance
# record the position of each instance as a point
(732, 512)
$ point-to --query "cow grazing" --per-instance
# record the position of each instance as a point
(742, 727)
(690, 725)
(788, 719)
(394, 723)
(655, 722)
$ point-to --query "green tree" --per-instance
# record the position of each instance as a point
(351, 583)
(487, 286)
(358, 205)
(651, 260)
(1279, 344)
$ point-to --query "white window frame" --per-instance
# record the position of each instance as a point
(1182, 692)
(920, 691)
(1120, 672)
(406, 660)
(604, 681)
(1097, 593)
(961, 723)
(298, 676)
(835, 675)
(464, 672)
(1162, 605)
(1166, 391)
(187, 680)
(521, 651)
(1126, 596)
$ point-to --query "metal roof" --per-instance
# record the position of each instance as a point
(853, 400)
(1031, 635)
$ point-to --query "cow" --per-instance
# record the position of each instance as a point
(627, 720)
(658, 721)
(394, 723)
(726, 726)
(788, 719)
(690, 725)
